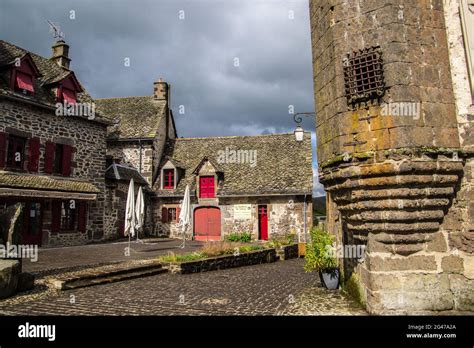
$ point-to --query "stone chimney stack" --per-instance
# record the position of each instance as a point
(61, 54)
(161, 90)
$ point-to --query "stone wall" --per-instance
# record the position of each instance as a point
(115, 206)
(129, 153)
(285, 216)
(88, 162)
(399, 185)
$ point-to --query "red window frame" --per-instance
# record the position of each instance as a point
(22, 76)
(16, 144)
(170, 214)
(207, 187)
(65, 219)
(168, 179)
(58, 159)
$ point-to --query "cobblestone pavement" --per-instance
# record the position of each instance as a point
(52, 260)
(269, 289)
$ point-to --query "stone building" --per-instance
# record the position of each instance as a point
(394, 102)
(51, 161)
(135, 145)
(256, 184)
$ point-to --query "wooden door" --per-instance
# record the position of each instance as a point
(263, 222)
(207, 224)
(32, 229)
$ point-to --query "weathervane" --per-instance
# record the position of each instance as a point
(57, 33)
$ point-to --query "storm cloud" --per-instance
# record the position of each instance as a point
(235, 66)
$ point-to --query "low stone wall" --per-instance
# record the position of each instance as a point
(223, 262)
(287, 252)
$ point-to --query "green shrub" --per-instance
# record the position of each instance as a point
(244, 237)
(248, 248)
(282, 240)
(318, 254)
(172, 257)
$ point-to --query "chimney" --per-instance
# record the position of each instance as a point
(160, 90)
(61, 54)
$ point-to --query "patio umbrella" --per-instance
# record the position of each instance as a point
(140, 211)
(184, 215)
(130, 211)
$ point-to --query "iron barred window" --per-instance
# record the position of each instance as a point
(364, 76)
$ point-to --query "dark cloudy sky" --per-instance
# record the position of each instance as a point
(195, 54)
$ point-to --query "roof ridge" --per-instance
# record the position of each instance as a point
(235, 136)
(134, 96)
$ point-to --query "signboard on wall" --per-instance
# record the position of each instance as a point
(242, 211)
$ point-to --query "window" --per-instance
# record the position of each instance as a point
(206, 187)
(364, 76)
(68, 95)
(168, 178)
(58, 159)
(24, 83)
(16, 152)
(172, 214)
(70, 215)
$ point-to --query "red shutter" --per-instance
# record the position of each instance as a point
(69, 96)
(3, 148)
(82, 219)
(210, 188)
(66, 165)
(49, 157)
(164, 215)
(34, 153)
(206, 187)
(24, 81)
(178, 210)
(56, 216)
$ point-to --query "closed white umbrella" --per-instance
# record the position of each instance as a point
(130, 222)
(140, 211)
(184, 215)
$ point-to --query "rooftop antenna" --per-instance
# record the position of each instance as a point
(54, 28)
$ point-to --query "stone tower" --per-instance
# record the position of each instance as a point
(395, 149)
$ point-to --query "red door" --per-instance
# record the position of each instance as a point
(263, 222)
(32, 227)
(206, 187)
(207, 224)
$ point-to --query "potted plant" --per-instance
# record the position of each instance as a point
(320, 257)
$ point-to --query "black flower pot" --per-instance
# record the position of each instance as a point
(330, 278)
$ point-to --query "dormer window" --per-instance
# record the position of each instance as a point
(69, 96)
(23, 75)
(168, 179)
(24, 82)
(68, 89)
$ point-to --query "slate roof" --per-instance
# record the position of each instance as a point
(138, 117)
(283, 166)
(50, 72)
(40, 182)
(123, 173)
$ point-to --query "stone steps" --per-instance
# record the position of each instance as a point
(93, 276)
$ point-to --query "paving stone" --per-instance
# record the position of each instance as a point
(281, 288)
